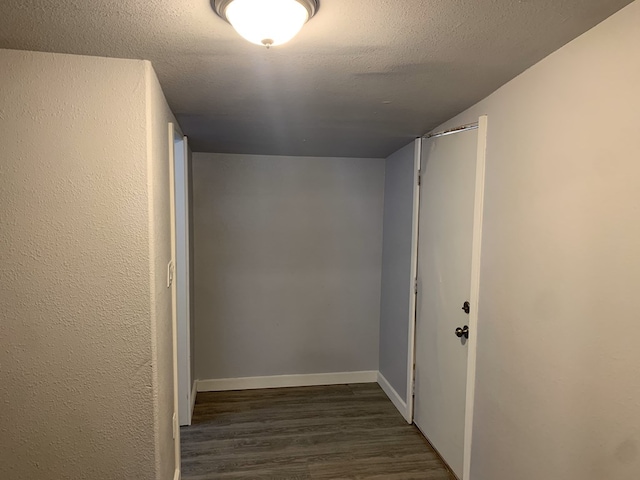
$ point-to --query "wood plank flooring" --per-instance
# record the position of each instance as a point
(332, 432)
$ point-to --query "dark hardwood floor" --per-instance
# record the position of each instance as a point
(333, 432)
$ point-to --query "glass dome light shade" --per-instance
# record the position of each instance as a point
(267, 22)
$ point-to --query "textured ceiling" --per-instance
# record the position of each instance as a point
(363, 77)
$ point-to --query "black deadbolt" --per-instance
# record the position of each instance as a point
(466, 307)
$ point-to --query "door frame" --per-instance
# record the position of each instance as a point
(411, 360)
(481, 159)
(182, 255)
(172, 131)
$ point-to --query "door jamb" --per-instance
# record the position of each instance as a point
(478, 215)
(174, 311)
(414, 279)
(182, 276)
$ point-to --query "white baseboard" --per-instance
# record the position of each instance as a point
(400, 404)
(176, 476)
(280, 381)
(194, 392)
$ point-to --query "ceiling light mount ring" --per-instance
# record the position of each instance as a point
(220, 7)
(266, 22)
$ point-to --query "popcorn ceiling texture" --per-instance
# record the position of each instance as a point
(321, 94)
(80, 395)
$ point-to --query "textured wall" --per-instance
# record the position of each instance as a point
(158, 144)
(397, 285)
(287, 264)
(76, 361)
(558, 379)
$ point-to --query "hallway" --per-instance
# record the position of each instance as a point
(329, 432)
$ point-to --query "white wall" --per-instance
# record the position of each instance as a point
(79, 385)
(287, 264)
(558, 371)
(397, 286)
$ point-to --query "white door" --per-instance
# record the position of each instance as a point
(445, 242)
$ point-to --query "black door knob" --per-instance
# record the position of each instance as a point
(462, 332)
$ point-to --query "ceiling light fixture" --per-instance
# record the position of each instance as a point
(266, 22)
